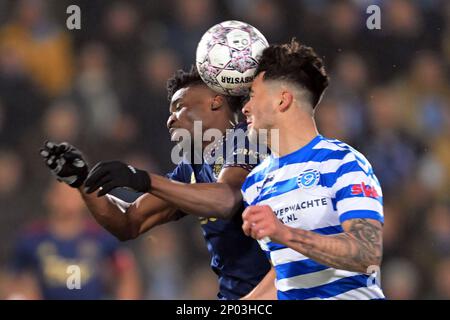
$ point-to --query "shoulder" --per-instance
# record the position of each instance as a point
(335, 153)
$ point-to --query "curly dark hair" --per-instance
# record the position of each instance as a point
(182, 79)
(297, 63)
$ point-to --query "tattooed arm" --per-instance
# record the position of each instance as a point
(357, 248)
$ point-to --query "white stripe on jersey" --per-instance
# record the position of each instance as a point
(363, 293)
(283, 256)
(315, 279)
(359, 203)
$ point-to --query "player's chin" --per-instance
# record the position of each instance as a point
(252, 133)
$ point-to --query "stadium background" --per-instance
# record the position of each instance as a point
(102, 88)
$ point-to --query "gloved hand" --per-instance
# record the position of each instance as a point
(65, 162)
(113, 174)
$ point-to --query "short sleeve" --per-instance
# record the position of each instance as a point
(357, 192)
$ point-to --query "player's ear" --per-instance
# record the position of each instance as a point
(217, 102)
(285, 100)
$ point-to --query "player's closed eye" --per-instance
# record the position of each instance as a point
(246, 99)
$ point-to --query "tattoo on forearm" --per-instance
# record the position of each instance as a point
(356, 249)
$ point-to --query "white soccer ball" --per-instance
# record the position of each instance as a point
(227, 56)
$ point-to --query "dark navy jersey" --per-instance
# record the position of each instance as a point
(237, 259)
(47, 257)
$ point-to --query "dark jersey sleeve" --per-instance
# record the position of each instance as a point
(179, 174)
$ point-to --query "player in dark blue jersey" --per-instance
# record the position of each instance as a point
(68, 256)
(210, 190)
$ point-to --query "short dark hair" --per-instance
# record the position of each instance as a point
(297, 63)
(182, 79)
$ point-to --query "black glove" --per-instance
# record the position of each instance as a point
(113, 174)
(65, 162)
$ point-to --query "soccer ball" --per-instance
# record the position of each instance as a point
(227, 56)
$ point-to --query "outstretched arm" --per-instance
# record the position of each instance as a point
(145, 213)
(356, 249)
(67, 164)
(218, 200)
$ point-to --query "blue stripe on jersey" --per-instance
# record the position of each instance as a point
(318, 155)
(275, 246)
(280, 187)
(345, 146)
(325, 231)
(297, 268)
(361, 214)
(303, 155)
(329, 179)
(329, 230)
(346, 192)
(327, 290)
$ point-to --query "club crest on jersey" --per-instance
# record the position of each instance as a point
(217, 167)
(308, 179)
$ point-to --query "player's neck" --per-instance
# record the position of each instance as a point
(225, 123)
(293, 136)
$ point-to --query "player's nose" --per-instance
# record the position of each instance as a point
(246, 109)
(171, 120)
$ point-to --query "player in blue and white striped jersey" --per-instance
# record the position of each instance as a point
(315, 204)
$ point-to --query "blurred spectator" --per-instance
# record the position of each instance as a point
(161, 252)
(189, 22)
(438, 230)
(349, 89)
(122, 40)
(46, 249)
(40, 44)
(424, 96)
(402, 35)
(400, 280)
(12, 173)
(21, 101)
(202, 285)
(266, 15)
(61, 122)
(94, 92)
(11, 170)
(442, 280)
(391, 151)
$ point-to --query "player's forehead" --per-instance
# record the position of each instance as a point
(179, 95)
(187, 94)
(258, 82)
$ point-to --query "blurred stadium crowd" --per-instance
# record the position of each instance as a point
(102, 88)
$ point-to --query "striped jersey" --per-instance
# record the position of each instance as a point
(316, 188)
